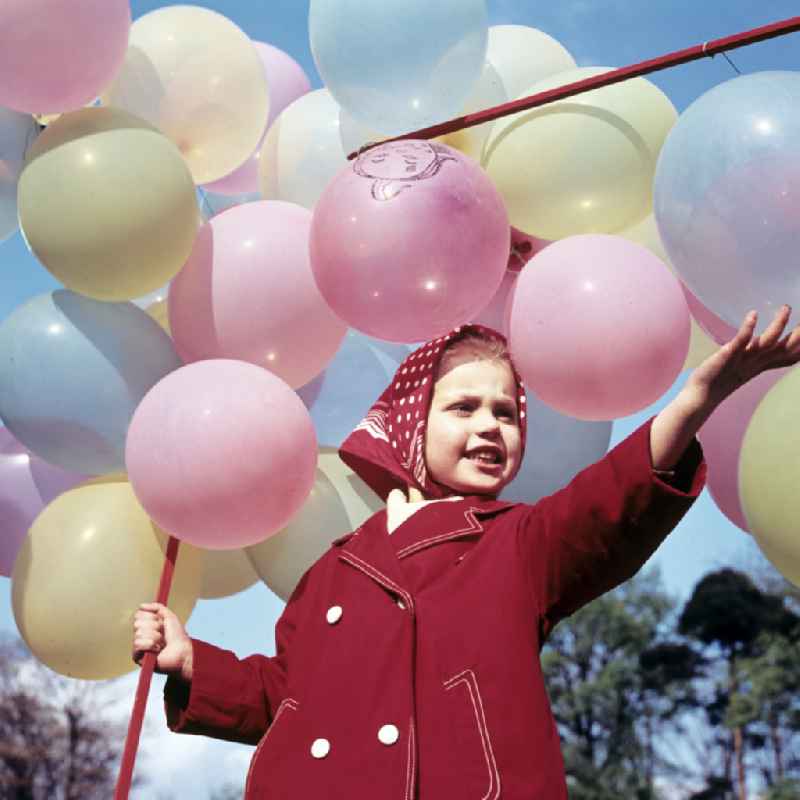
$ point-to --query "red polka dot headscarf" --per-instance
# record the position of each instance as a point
(387, 448)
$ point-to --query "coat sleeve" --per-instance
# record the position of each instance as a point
(231, 698)
(599, 530)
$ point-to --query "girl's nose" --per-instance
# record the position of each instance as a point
(486, 422)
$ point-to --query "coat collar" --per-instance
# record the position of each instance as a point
(370, 549)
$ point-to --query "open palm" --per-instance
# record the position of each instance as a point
(745, 356)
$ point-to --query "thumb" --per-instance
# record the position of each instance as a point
(396, 499)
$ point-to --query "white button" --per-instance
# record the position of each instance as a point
(334, 614)
(401, 605)
(320, 748)
(388, 734)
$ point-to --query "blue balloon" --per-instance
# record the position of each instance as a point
(727, 194)
(558, 447)
(399, 65)
(339, 398)
(72, 372)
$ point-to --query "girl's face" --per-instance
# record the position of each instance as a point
(472, 442)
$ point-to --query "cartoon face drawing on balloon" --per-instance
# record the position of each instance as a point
(395, 166)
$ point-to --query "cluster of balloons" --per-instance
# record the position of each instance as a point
(237, 293)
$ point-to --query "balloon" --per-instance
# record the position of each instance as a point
(72, 371)
(281, 560)
(700, 345)
(17, 133)
(727, 196)
(409, 241)
(487, 93)
(27, 485)
(107, 204)
(721, 437)
(57, 56)
(198, 78)
(399, 65)
(599, 327)
(286, 81)
(302, 151)
(716, 328)
(601, 149)
(91, 557)
(769, 471)
(522, 56)
(340, 397)
(225, 572)
(497, 313)
(221, 453)
(561, 447)
(159, 312)
(213, 204)
(247, 293)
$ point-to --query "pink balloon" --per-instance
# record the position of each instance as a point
(58, 56)
(599, 327)
(247, 293)
(221, 453)
(287, 81)
(27, 485)
(497, 314)
(722, 435)
(409, 241)
(717, 329)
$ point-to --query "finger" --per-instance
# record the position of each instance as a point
(775, 328)
(152, 607)
(744, 335)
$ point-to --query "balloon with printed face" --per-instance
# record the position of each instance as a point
(247, 293)
(72, 372)
(399, 65)
(57, 56)
(409, 241)
(198, 78)
(727, 196)
(221, 453)
(599, 327)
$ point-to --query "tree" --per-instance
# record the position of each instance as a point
(55, 741)
(614, 684)
(729, 612)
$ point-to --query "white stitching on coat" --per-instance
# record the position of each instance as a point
(379, 576)
(471, 683)
(474, 527)
(289, 702)
(410, 768)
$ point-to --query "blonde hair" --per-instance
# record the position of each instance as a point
(473, 347)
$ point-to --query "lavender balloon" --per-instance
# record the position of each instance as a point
(727, 196)
(27, 485)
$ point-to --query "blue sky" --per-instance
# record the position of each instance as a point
(596, 32)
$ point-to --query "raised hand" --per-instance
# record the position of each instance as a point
(744, 357)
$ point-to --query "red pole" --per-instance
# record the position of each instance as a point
(145, 676)
(705, 50)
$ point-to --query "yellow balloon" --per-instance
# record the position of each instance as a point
(158, 311)
(769, 474)
(701, 345)
(584, 164)
(90, 558)
(107, 204)
(225, 572)
(339, 502)
(199, 79)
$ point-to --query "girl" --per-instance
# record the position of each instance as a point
(407, 658)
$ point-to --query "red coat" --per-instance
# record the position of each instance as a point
(407, 665)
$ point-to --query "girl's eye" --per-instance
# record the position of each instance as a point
(461, 408)
(507, 414)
